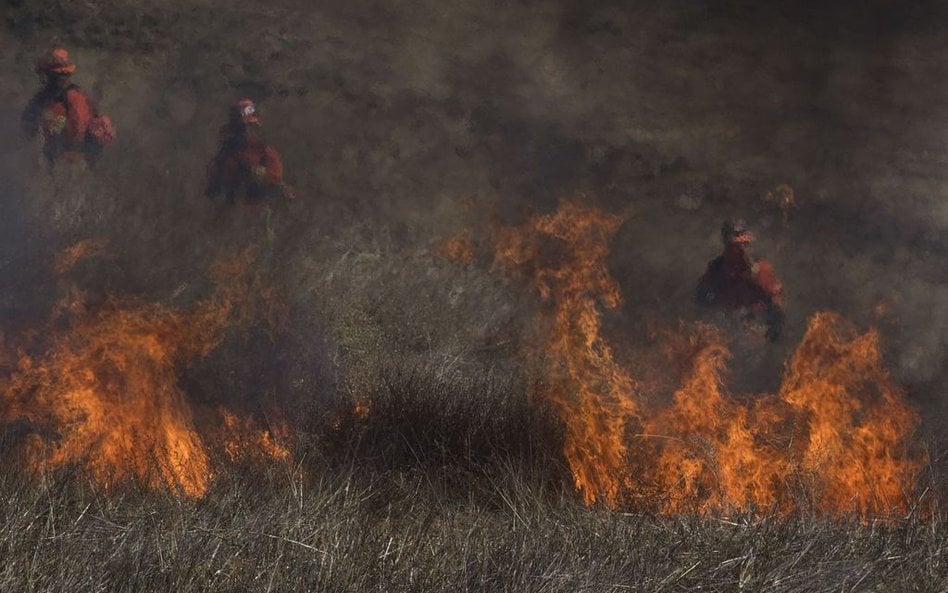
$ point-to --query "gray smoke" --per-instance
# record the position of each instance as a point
(403, 123)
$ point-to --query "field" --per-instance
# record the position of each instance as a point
(467, 357)
(411, 530)
(452, 500)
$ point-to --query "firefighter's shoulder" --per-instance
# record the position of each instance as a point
(764, 274)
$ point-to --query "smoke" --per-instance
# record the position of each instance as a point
(405, 123)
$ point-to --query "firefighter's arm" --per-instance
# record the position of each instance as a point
(80, 113)
(705, 293)
(768, 282)
(30, 118)
(212, 187)
(774, 318)
(273, 167)
(766, 279)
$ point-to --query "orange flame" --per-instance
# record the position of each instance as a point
(353, 417)
(584, 382)
(245, 440)
(857, 418)
(105, 391)
(68, 257)
(709, 455)
(785, 200)
(836, 437)
(362, 409)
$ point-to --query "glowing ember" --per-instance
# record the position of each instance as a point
(353, 417)
(362, 409)
(782, 196)
(836, 438)
(245, 439)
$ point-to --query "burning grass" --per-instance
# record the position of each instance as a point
(424, 513)
(425, 482)
(839, 433)
(104, 391)
(415, 482)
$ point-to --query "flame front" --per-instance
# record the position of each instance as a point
(857, 420)
(705, 451)
(584, 382)
(244, 439)
(104, 395)
(835, 438)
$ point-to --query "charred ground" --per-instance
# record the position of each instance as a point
(402, 124)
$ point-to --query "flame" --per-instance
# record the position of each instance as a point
(70, 256)
(710, 454)
(244, 439)
(857, 420)
(354, 416)
(362, 409)
(785, 200)
(836, 437)
(104, 393)
(584, 382)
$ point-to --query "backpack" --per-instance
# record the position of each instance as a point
(100, 132)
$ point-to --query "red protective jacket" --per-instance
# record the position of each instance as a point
(63, 117)
(245, 167)
(737, 280)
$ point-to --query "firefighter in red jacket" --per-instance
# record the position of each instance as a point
(245, 166)
(738, 281)
(62, 113)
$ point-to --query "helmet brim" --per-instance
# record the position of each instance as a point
(742, 238)
(57, 69)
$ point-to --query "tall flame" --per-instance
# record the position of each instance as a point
(584, 382)
(104, 394)
(705, 451)
(857, 419)
(836, 437)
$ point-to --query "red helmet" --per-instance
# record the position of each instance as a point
(55, 61)
(245, 112)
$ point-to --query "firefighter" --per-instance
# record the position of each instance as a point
(64, 114)
(245, 166)
(738, 281)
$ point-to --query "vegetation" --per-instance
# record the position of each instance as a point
(419, 497)
(419, 461)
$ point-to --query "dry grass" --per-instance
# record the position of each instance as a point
(391, 130)
(427, 497)
(441, 487)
